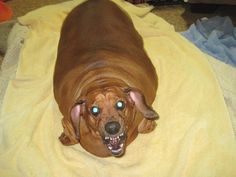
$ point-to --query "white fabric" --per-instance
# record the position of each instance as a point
(10, 62)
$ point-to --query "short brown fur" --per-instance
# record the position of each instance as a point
(101, 57)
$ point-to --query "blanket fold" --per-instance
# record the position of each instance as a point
(194, 136)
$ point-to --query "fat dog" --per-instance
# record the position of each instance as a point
(104, 82)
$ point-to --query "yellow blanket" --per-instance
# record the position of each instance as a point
(194, 137)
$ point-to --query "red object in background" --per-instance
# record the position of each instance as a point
(5, 11)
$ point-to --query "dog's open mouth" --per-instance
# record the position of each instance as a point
(116, 144)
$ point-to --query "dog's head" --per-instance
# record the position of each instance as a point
(106, 120)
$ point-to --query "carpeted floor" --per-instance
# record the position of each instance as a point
(180, 16)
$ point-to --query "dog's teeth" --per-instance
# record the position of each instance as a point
(107, 138)
(121, 145)
(122, 135)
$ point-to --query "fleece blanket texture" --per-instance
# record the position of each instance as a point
(226, 75)
(194, 136)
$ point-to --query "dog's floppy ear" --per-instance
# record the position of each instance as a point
(140, 103)
(76, 111)
(70, 134)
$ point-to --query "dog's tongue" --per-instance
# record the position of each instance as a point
(115, 146)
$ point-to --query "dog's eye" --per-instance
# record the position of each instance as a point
(95, 110)
(120, 105)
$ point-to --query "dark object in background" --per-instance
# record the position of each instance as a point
(164, 2)
(137, 1)
(203, 8)
(156, 2)
(194, 7)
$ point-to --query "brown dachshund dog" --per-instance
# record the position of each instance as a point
(104, 82)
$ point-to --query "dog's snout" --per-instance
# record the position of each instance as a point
(112, 127)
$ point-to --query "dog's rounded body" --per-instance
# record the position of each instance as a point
(104, 82)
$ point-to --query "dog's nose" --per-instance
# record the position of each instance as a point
(112, 127)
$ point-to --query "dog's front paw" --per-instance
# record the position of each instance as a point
(146, 126)
(151, 114)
